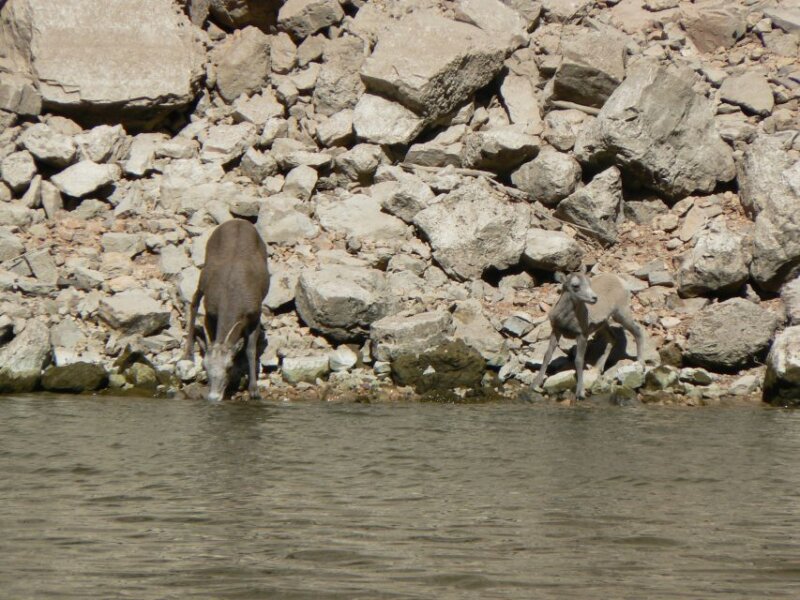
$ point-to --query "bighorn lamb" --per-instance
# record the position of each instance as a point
(583, 308)
(234, 282)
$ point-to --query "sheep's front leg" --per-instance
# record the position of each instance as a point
(580, 354)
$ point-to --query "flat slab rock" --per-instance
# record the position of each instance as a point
(132, 56)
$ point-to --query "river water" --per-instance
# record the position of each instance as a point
(130, 498)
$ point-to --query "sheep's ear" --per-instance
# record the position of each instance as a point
(560, 277)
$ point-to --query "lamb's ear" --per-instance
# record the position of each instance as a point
(560, 277)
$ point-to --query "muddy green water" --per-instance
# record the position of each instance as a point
(125, 498)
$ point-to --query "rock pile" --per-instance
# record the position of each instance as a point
(420, 169)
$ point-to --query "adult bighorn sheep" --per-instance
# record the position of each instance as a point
(585, 307)
(234, 282)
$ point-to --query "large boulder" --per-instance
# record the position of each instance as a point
(451, 365)
(730, 335)
(23, 358)
(48, 145)
(591, 69)
(114, 58)
(596, 208)
(782, 380)
(394, 336)
(446, 63)
(472, 229)
(659, 130)
(718, 262)
(342, 301)
(75, 378)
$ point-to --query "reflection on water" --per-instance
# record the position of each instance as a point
(124, 498)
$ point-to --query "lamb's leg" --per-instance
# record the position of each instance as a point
(546, 361)
(580, 353)
(189, 352)
(608, 340)
(625, 318)
(252, 362)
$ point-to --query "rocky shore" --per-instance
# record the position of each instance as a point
(420, 169)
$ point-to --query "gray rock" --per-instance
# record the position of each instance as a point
(342, 359)
(75, 378)
(279, 222)
(17, 170)
(258, 109)
(15, 214)
(235, 14)
(10, 245)
(472, 229)
(48, 146)
(304, 368)
(561, 128)
(548, 178)
(591, 69)
(712, 24)
(96, 76)
(338, 85)
(403, 198)
(448, 62)
(129, 244)
(394, 336)
(361, 161)
(282, 284)
(718, 262)
(134, 311)
(552, 251)
(341, 302)
(730, 335)
(225, 143)
(173, 260)
(498, 20)
(662, 132)
(142, 153)
(790, 294)
(501, 149)
(300, 182)
(782, 379)
(23, 358)
(596, 207)
(85, 177)
(476, 331)
(562, 11)
(258, 165)
(337, 130)
(242, 63)
(301, 18)
(43, 266)
(441, 370)
(519, 98)
(102, 143)
(19, 95)
(761, 172)
(787, 18)
(359, 216)
(381, 121)
(751, 91)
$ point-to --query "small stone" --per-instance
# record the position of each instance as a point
(304, 369)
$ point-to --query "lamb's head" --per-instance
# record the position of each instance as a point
(577, 286)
